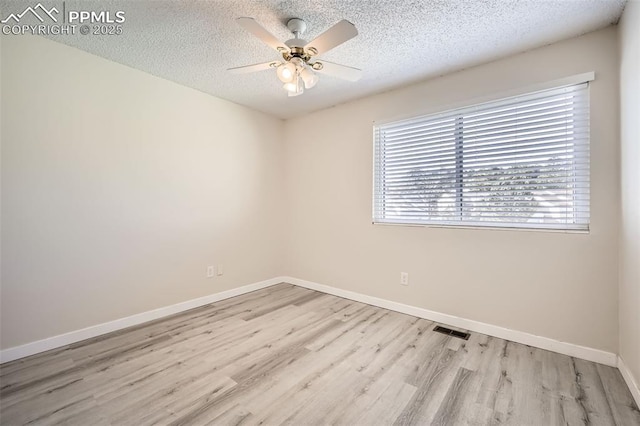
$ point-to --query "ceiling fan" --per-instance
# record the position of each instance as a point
(298, 67)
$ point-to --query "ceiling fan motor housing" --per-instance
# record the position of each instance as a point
(296, 45)
(296, 52)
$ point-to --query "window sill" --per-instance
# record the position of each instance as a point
(489, 228)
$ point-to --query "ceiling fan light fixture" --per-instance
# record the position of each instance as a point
(294, 88)
(286, 72)
(298, 62)
(309, 78)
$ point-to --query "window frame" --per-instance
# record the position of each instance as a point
(464, 108)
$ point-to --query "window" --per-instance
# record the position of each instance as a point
(521, 162)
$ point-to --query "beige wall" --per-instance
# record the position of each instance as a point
(119, 188)
(630, 179)
(562, 286)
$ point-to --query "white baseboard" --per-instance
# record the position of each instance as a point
(570, 349)
(628, 378)
(565, 348)
(54, 342)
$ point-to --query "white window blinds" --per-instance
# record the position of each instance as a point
(520, 162)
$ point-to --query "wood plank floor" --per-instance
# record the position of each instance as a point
(288, 355)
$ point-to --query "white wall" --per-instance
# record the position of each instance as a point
(119, 188)
(562, 286)
(630, 180)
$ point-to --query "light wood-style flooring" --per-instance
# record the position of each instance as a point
(288, 355)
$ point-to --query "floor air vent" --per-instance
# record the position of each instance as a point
(450, 332)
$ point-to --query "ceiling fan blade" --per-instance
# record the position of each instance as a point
(257, 30)
(334, 36)
(341, 71)
(253, 68)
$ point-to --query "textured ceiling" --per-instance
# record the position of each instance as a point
(399, 41)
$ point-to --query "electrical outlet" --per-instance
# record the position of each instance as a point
(210, 271)
(220, 270)
(404, 278)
